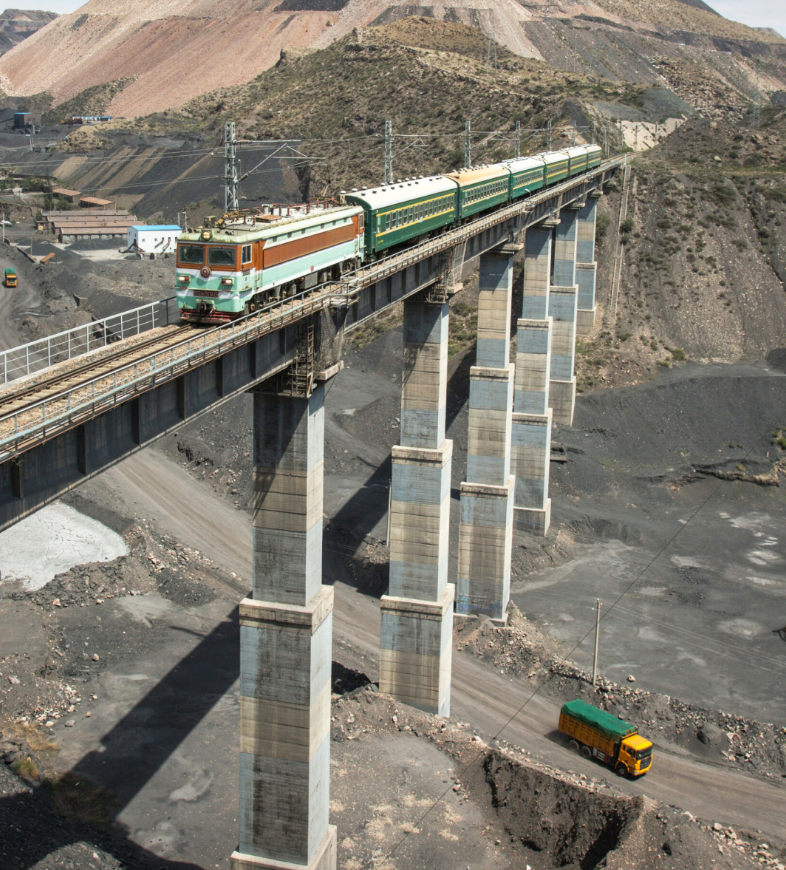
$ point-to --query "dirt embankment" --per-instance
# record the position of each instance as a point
(523, 649)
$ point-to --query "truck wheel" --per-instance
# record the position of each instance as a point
(574, 745)
(621, 770)
(586, 751)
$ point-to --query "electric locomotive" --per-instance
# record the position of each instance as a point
(238, 264)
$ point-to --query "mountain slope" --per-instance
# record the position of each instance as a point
(18, 24)
(170, 51)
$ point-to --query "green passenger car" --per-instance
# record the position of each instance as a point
(526, 175)
(557, 163)
(578, 159)
(594, 156)
(397, 213)
(481, 188)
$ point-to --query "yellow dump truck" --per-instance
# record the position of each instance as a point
(10, 278)
(597, 734)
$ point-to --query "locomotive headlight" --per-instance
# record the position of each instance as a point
(206, 235)
(227, 282)
(183, 279)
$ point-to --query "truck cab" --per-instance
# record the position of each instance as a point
(10, 279)
(636, 754)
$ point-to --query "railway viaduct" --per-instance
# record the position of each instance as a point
(79, 409)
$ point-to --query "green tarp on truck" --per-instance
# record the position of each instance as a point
(610, 726)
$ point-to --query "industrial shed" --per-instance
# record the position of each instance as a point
(155, 239)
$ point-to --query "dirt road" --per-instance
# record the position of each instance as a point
(11, 299)
(162, 491)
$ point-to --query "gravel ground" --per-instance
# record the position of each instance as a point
(84, 622)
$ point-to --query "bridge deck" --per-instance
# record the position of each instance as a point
(38, 408)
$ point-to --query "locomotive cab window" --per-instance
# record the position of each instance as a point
(246, 255)
(192, 254)
(221, 257)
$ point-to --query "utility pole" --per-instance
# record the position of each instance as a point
(574, 134)
(491, 51)
(548, 135)
(388, 152)
(468, 144)
(606, 139)
(518, 139)
(231, 170)
(593, 133)
(597, 635)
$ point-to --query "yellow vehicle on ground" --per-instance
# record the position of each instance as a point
(597, 734)
(10, 278)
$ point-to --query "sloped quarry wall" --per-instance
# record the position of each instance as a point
(571, 826)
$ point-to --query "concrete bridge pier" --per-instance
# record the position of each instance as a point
(531, 433)
(586, 266)
(563, 308)
(417, 613)
(486, 525)
(285, 648)
(532, 416)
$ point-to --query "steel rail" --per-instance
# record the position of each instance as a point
(170, 362)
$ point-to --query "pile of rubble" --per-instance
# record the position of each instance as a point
(42, 690)
(731, 843)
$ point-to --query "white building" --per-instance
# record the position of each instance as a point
(153, 239)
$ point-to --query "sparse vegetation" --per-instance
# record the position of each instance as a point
(27, 769)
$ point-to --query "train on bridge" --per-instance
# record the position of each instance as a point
(238, 264)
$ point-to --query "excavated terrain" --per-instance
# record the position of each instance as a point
(166, 55)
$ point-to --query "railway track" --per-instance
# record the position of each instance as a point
(61, 376)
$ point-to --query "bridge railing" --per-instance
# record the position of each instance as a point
(19, 362)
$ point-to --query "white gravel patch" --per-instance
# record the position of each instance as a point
(53, 540)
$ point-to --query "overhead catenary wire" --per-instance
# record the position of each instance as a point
(96, 161)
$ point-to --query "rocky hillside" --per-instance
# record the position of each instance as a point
(18, 24)
(704, 255)
(441, 78)
(168, 160)
(167, 54)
